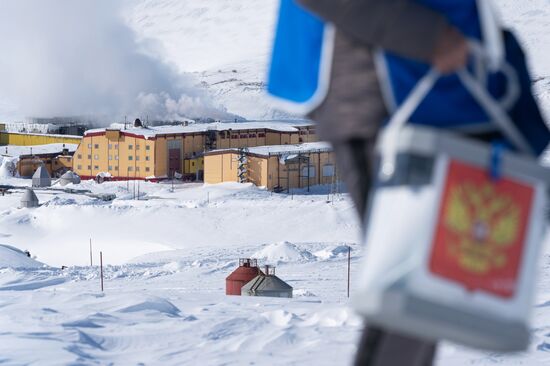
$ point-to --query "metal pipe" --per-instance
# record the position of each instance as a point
(101, 268)
(349, 266)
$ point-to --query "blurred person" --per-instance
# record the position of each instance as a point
(353, 112)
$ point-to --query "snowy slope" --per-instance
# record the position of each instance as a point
(225, 42)
(167, 256)
(11, 257)
(207, 34)
(227, 35)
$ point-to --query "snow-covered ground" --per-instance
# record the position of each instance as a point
(167, 256)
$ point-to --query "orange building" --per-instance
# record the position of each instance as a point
(161, 152)
(277, 168)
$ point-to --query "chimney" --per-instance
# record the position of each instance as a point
(269, 270)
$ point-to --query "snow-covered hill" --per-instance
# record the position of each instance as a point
(234, 36)
(226, 44)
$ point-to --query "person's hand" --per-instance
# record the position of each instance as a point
(451, 51)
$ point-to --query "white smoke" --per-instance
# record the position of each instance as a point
(79, 58)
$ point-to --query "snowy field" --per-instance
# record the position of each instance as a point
(167, 256)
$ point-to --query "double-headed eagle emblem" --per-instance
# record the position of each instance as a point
(482, 224)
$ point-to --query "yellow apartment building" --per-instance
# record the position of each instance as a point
(161, 152)
(277, 168)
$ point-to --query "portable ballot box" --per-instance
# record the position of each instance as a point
(453, 241)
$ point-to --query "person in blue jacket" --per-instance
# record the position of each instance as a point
(353, 111)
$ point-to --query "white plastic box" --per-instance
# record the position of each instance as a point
(451, 253)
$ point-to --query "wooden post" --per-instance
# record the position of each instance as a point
(91, 257)
(349, 265)
(101, 268)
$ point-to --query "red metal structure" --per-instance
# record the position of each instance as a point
(248, 269)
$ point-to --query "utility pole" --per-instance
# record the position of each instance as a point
(91, 257)
(101, 268)
(349, 266)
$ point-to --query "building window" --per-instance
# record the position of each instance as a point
(234, 136)
(147, 169)
(110, 157)
(89, 146)
(261, 134)
(243, 136)
(130, 169)
(89, 167)
(110, 167)
(110, 146)
(174, 144)
(89, 157)
(116, 146)
(147, 147)
(328, 170)
(130, 157)
(96, 167)
(79, 156)
(137, 168)
(116, 157)
(116, 167)
(137, 147)
(147, 158)
(253, 135)
(79, 167)
(96, 146)
(222, 135)
(308, 173)
(137, 157)
(130, 147)
(96, 157)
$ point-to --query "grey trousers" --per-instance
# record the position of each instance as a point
(377, 347)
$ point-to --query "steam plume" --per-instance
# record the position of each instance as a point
(78, 57)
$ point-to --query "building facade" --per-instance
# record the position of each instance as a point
(162, 152)
(32, 139)
(277, 168)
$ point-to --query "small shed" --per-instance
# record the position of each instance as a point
(29, 199)
(68, 178)
(41, 177)
(267, 285)
(248, 269)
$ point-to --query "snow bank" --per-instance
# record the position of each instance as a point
(155, 304)
(11, 257)
(332, 252)
(284, 252)
(8, 167)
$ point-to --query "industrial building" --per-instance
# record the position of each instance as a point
(278, 168)
(247, 270)
(267, 284)
(29, 199)
(161, 152)
(56, 158)
(32, 139)
(41, 178)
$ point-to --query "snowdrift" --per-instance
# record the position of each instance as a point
(11, 257)
(284, 252)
